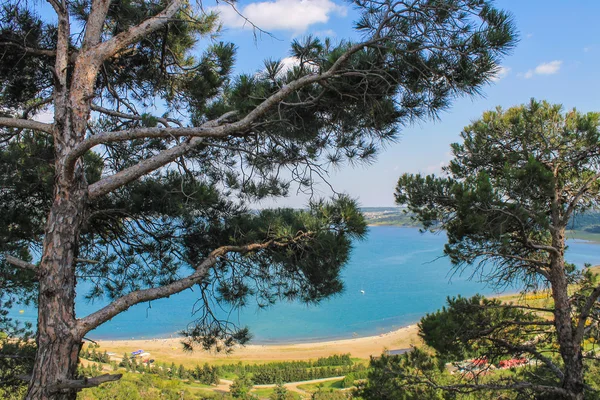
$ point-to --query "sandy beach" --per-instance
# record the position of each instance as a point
(171, 350)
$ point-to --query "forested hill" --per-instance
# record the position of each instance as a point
(588, 222)
(388, 216)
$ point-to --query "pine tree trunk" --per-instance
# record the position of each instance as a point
(55, 362)
(58, 342)
(58, 339)
(570, 351)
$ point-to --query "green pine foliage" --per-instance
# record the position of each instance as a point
(92, 353)
(281, 393)
(269, 373)
(330, 395)
(518, 180)
(473, 327)
(241, 386)
(206, 374)
(295, 371)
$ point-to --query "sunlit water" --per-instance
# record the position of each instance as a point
(394, 277)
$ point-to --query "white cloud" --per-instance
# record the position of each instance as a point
(291, 15)
(529, 35)
(501, 72)
(289, 63)
(549, 68)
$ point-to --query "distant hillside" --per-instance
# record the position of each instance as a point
(388, 216)
(588, 222)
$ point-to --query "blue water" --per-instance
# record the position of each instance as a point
(399, 270)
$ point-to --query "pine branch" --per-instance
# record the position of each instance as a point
(196, 134)
(424, 379)
(144, 167)
(121, 304)
(94, 23)
(117, 114)
(26, 124)
(532, 350)
(580, 193)
(469, 388)
(86, 261)
(539, 309)
(30, 50)
(57, 5)
(112, 46)
(35, 105)
(585, 313)
(83, 383)
(17, 262)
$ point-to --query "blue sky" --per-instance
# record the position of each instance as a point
(556, 59)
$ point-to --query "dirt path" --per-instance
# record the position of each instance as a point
(223, 386)
(293, 386)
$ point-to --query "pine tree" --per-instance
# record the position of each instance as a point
(241, 387)
(198, 374)
(181, 372)
(516, 180)
(172, 370)
(143, 205)
(280, 393)
(125, 362)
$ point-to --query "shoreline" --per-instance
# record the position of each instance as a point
(363, 347)
(175, 335)
(171, 350)
(168, 348)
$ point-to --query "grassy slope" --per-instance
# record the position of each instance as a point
(313, 387)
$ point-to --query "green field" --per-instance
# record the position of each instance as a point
(313, 387)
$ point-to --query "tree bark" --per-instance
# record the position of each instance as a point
(570, 350)
(58, 342)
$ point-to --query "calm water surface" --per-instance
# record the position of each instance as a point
(400, 271)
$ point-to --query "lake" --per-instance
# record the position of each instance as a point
(394, 277)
